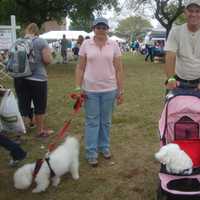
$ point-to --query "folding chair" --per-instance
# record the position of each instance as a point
(3, 73)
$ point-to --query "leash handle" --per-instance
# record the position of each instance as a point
(80, 98)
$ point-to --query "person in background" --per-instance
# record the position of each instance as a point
(16, 152)
(87, 37)
(34, 88)
(64, 44)
(183, 50)
(100, 75)
(136, 46)
(77, 46)
(149, 43)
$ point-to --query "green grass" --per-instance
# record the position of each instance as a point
(132, 174)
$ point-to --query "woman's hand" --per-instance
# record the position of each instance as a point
(120, 99)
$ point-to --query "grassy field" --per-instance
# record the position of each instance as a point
(132, 174)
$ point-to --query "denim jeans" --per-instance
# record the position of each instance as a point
(98, 111)
(16, 152)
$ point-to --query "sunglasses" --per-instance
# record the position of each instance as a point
(101, 27)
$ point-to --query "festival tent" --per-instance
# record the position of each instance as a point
(91, 34)
(57, 35)
(117, 39)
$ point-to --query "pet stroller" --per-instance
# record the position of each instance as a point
(179, 123)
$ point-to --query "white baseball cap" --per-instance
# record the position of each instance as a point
(191, 2)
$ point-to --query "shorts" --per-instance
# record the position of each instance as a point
(30, 90)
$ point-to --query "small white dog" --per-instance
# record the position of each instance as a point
(175, 159)
(65, 158)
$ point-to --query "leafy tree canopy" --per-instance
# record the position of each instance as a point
(180, 19)
(133, 25)
(165, 11)
(81, 24)
(39, 11)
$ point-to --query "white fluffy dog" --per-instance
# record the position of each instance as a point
(65, 158)
(175, 159)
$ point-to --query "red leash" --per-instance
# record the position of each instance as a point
(79, 100)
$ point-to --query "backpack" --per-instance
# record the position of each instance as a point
(21, 55)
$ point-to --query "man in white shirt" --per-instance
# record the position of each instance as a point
(150, 48)
(183, 49)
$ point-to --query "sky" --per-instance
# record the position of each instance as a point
(114, 17)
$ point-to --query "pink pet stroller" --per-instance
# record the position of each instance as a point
(179, 124)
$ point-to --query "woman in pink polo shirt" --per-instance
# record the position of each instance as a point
(99, 75)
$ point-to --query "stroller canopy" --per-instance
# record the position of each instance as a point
(175, 108)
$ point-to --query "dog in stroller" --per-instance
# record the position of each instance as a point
(175, 159)
(179, 130)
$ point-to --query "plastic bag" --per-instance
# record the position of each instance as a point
(10, 117)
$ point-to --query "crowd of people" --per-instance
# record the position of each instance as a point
(68, 49)
(149, 48)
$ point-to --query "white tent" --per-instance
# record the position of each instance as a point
(117, 39)
(91, 34)
(57, 35)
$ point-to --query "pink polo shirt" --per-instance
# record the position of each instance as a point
(100, 74)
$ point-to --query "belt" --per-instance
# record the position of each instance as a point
(195, 81)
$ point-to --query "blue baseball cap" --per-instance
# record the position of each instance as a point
(100, 20)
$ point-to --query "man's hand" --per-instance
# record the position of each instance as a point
(171, 83)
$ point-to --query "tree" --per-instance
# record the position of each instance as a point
(40, 11)
(165, 11)
(180, 19)
(133, 25)
(81, 24)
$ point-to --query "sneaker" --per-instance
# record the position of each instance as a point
(14, 163)
(93, 162)
(32, 125)
(107, 155)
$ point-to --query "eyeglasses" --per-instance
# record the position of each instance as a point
(101, 27)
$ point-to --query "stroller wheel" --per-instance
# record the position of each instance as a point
(160, 194)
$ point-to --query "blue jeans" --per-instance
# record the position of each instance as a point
(16, 152)
(98, 111)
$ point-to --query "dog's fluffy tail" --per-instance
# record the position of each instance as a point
(23, 176)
